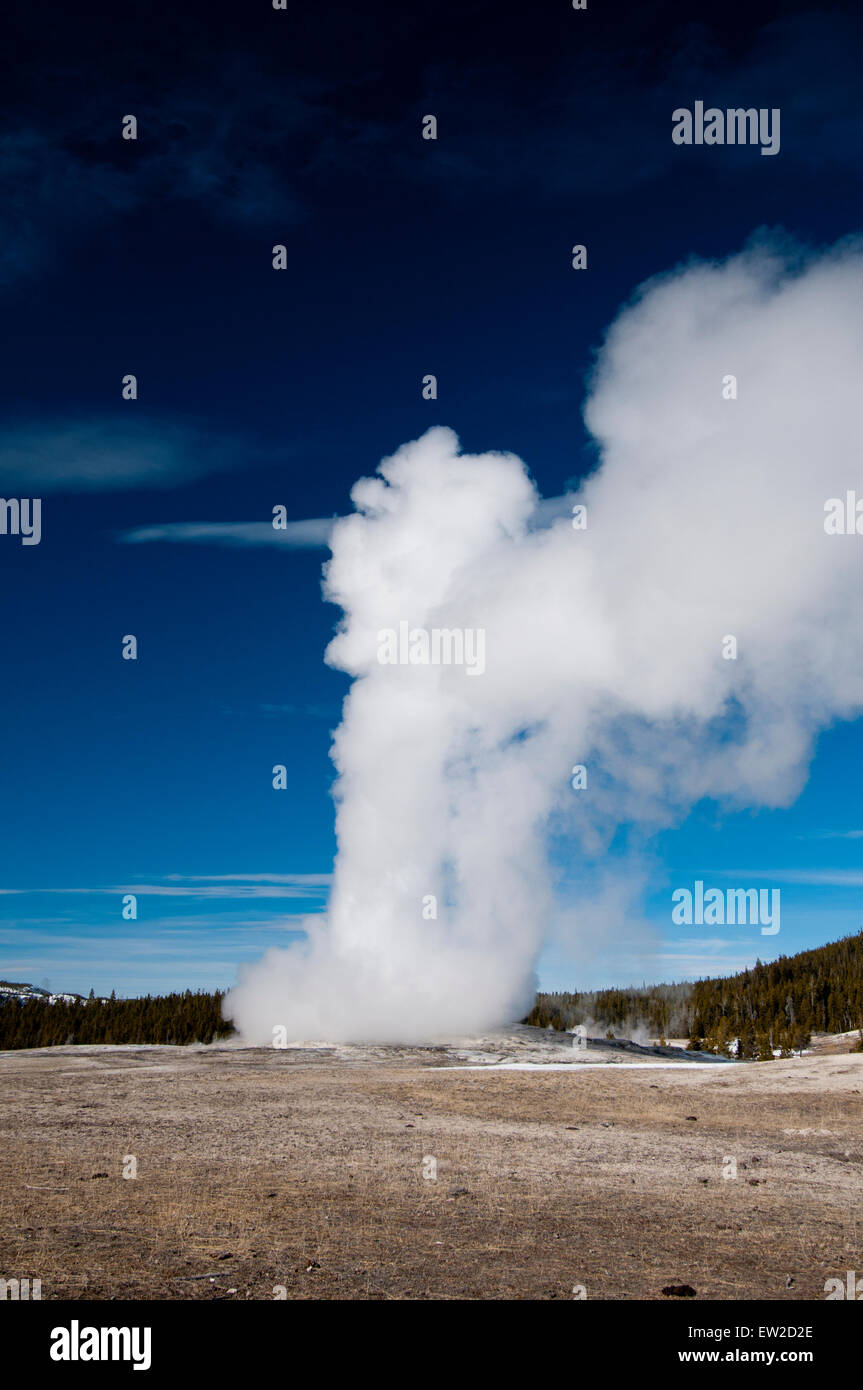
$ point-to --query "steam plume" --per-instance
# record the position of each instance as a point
(705, 519)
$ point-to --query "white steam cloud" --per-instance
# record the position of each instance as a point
(603, 645)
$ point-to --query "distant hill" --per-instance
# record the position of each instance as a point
(16, 990)
(760, 1012)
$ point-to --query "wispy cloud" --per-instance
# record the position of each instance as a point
(311, 534)
(833, 835)
(310, 711)
(204, 887)
(694, 959)
(816, 878)
(631, 961)
(316, 880)
(112, 454)
(196, 950)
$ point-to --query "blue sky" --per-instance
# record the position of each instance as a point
(258, 388)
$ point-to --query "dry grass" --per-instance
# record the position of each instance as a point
(258, 1169)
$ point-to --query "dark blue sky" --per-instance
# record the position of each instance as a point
(258, 388)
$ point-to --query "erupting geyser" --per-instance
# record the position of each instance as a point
(603, 646)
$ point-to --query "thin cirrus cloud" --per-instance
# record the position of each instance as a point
(110, 455)
(205, 887)
(312, 534)
(834, 835)
(813, 878)
(699, 960)
(231, 926)
(315, 880)
(309, 711)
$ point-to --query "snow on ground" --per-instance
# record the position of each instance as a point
(575, 1066)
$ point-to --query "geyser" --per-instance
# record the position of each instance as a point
(604, 646)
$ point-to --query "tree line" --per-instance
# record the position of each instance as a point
(169, 1018)
(754, 1014)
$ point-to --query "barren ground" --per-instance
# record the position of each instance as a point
(304, 1168)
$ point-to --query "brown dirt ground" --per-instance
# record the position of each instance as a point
(304, 1169)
